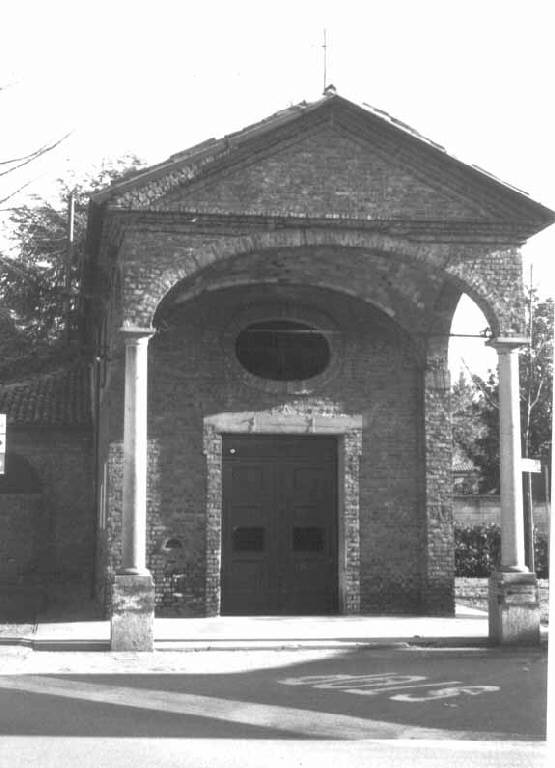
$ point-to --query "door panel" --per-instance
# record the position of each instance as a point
(279, 540)
(246, 586)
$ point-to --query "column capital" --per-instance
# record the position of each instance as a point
(505, 344)
(133, 333)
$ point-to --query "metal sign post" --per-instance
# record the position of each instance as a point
(2, 443)
(529, 466)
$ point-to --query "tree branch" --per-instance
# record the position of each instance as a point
(12, 266)
(29, 158)
(533, 403)
(13, 194)
(476, 380)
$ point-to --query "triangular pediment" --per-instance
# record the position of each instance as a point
(327, 160)
(326, 173)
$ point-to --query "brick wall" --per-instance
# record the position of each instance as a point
(22, 523)
(405, 275)
(439, 564)
(194, 373)
(60, 520)
(351, 207)
(408, 489)
(342, 173)
(481, 510)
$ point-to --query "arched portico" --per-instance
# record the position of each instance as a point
(383, 250)
(285, 268)
(283, 271)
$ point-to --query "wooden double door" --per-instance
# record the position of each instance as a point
(279, 533)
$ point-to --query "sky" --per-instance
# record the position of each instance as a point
(151, 79)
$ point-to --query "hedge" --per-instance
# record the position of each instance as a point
(478, 550)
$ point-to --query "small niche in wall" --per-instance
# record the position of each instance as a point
(172, 543)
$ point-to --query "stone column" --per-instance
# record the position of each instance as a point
(513, 592)
(132, 625)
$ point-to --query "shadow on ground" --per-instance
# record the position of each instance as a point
(478, 694)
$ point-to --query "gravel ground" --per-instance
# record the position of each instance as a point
(15, 629)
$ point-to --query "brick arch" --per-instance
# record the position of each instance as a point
(143, 304)
(392, 297)
(241, 281)
(493, 314)
(495, 285)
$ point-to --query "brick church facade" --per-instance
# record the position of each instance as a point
(288, 291)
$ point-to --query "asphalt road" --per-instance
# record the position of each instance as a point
(231, 706)
(476, 694)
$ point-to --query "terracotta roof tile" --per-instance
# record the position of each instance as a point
(461, 462)
(57, 398)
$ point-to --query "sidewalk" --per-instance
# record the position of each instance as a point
(468, 627)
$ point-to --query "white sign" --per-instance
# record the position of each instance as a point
(531, 465)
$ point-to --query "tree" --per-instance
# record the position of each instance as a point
(537, 380)
(34, 283)
(466, 415)
(486, 454)
(476, 404)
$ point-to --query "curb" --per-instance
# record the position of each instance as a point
(194, 646)
(25, 641)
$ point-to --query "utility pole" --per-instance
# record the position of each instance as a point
(69, 261)
(528, 504)
(2, 443)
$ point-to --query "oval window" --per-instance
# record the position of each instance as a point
(283, 350)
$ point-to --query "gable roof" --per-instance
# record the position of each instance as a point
(182, 170)
(461, 462)
(58, 398)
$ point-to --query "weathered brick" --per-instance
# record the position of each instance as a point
(334, 217)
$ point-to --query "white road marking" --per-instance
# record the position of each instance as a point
(340, 681)
(446, 693)
(281, 718)
(385, 682)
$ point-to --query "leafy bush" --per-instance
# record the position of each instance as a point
(478, 550)
(541, 555)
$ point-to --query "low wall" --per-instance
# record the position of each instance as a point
(481, 510)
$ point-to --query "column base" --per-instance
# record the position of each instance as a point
(132, 620)
(514, 608)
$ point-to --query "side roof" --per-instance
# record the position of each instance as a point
(59, 398)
